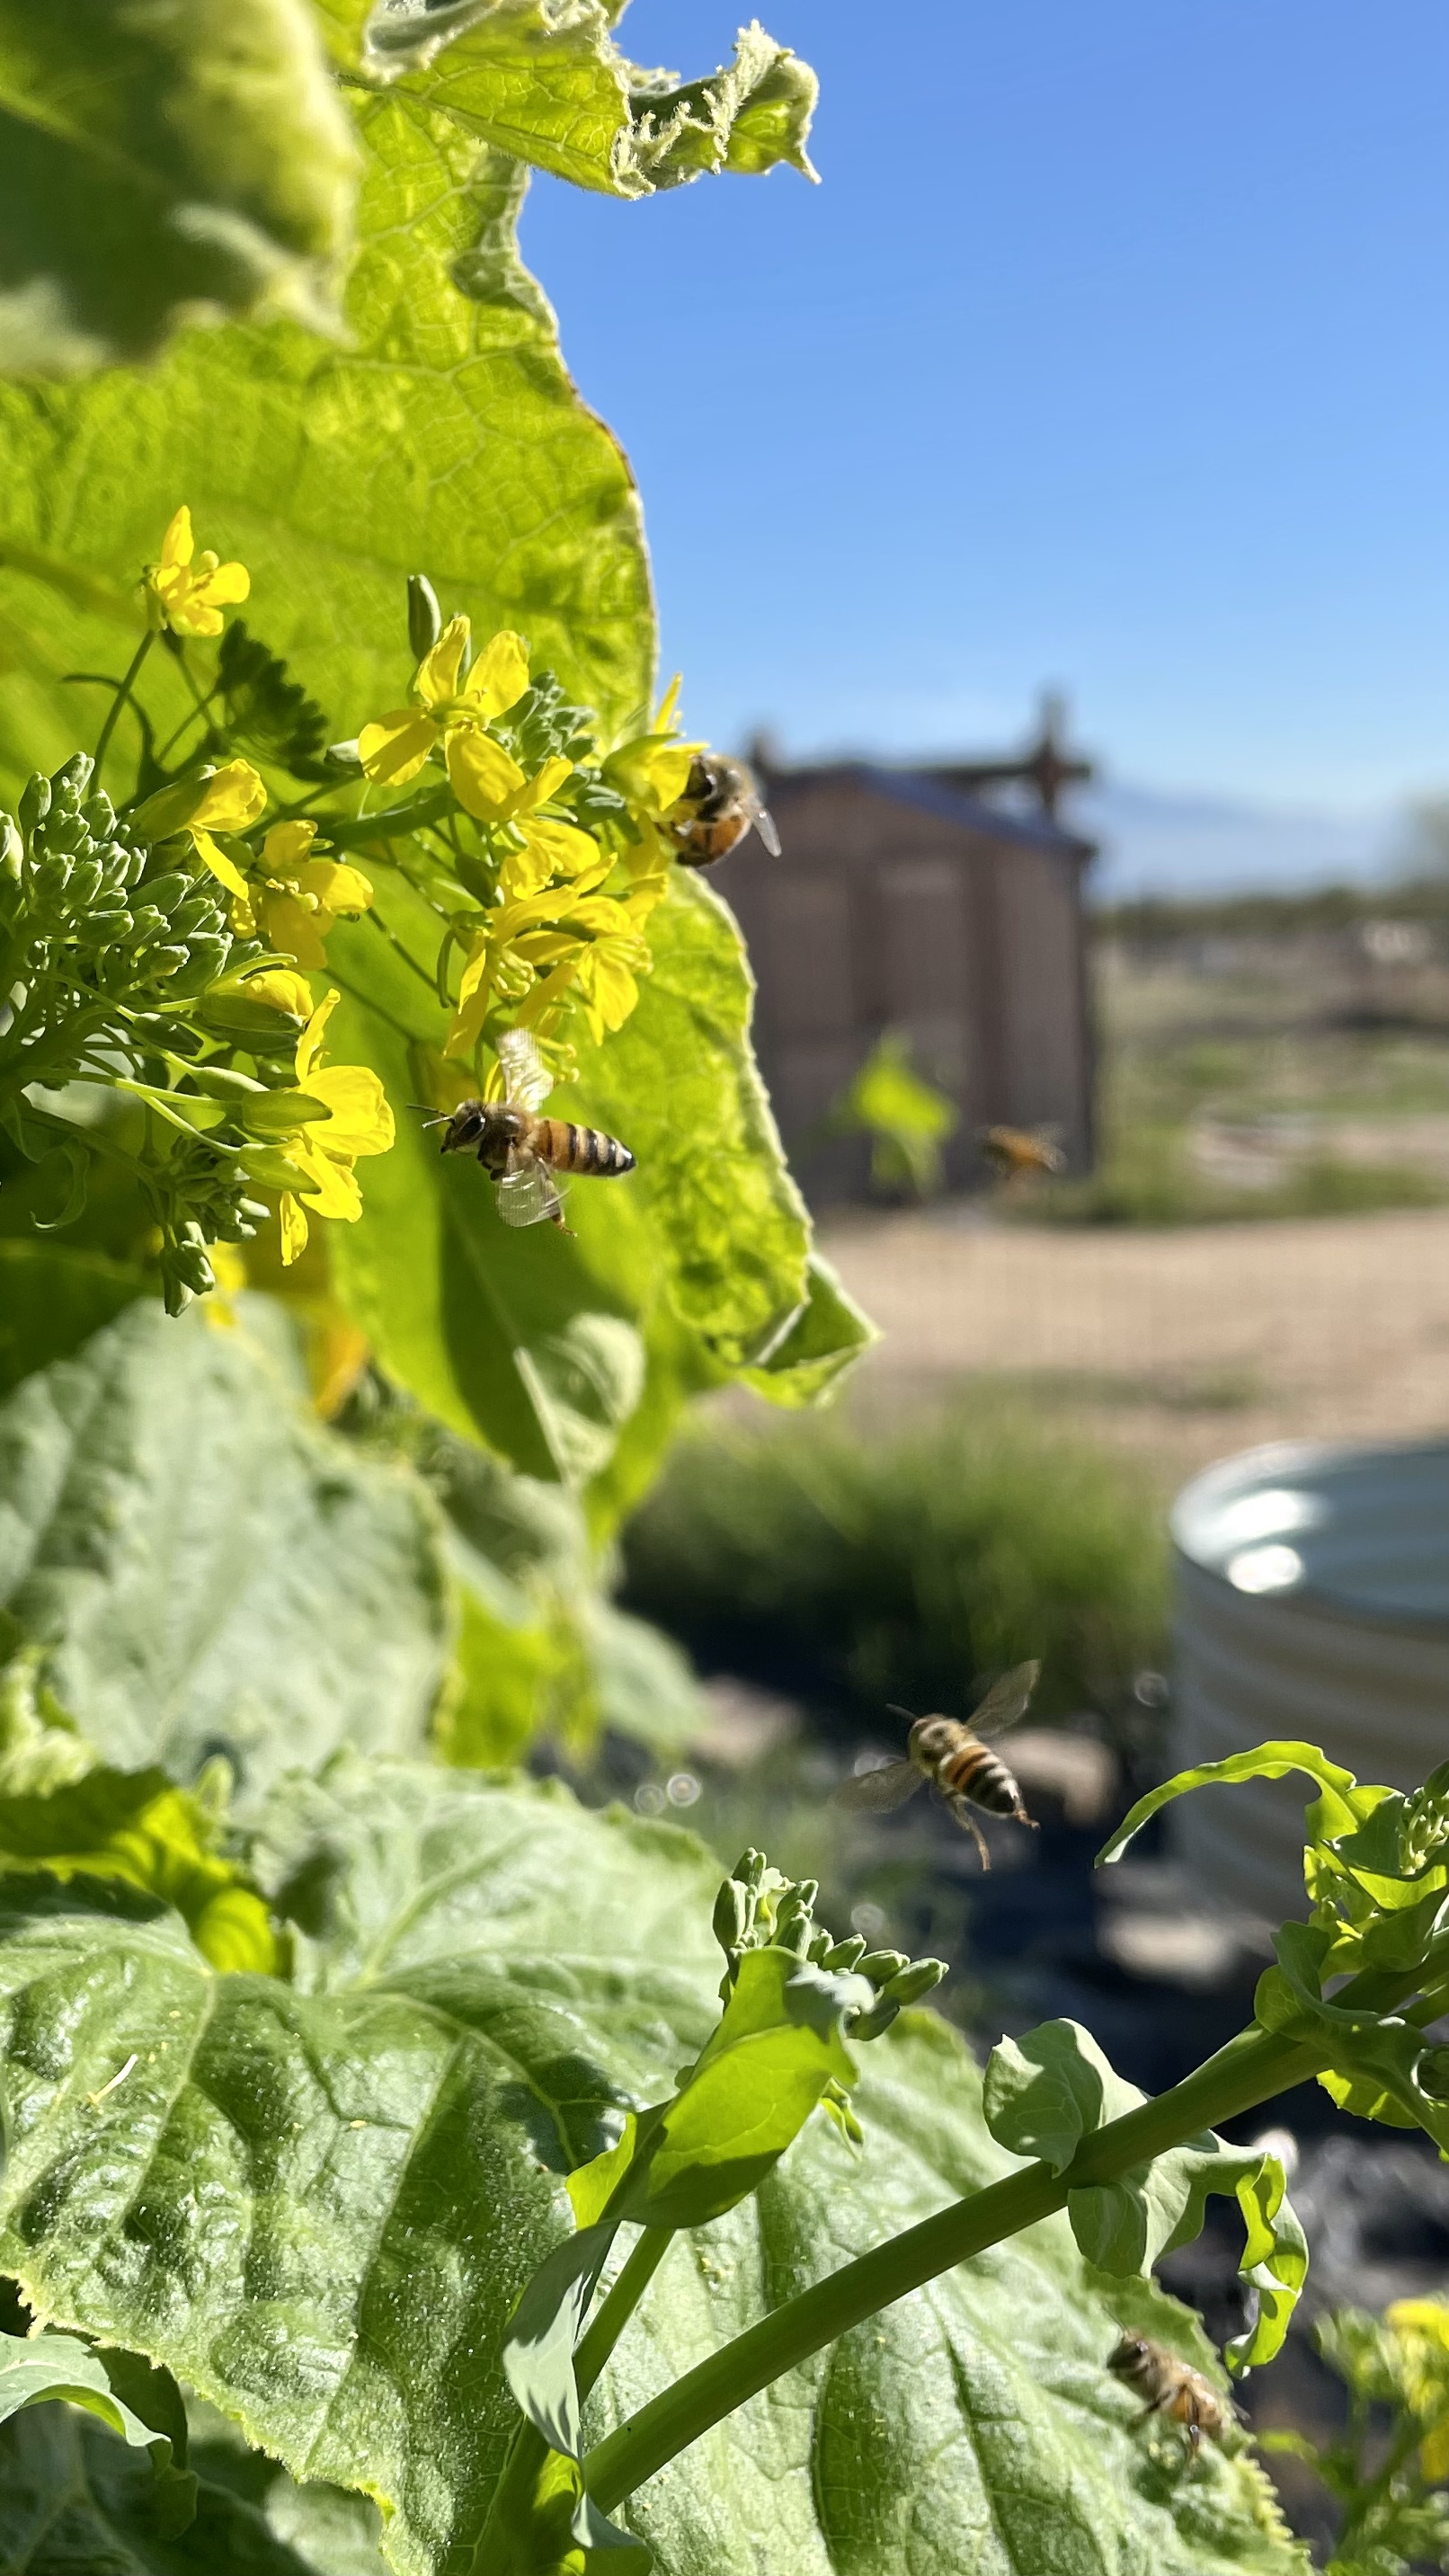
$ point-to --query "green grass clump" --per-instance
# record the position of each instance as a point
(861, 1568)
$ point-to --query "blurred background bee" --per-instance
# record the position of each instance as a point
(521, 1151)
(1019, 1150)
(1170, 2387)
(951, 1755)
(720, 804)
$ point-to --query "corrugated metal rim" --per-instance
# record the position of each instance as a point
(1282, 1462)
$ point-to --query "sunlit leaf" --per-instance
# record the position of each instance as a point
(160, 165)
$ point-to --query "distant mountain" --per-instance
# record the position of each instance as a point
(1155, 843)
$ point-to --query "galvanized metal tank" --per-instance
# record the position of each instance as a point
(1312, 1601)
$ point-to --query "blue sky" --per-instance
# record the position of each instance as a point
(1110, 352)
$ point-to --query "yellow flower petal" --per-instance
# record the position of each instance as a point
(484, 778)
(668, 705)
(499, 676)
(294, 1228)
(281, 991)
(361, 1121)
(438, 672)
(475, 967)
(539, 789)
(288, 925)
(225, 586)
(549, 850)
(178, 545)
(1434, 2454)
(309, 1044)
(220, 865)
(335, 886)
(330, 1186)
(395, 747)
(286, 846)
(232, 799)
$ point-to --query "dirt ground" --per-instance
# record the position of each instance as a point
(1182, 1344)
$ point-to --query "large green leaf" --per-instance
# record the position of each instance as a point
(445, 437)
(157, 165)
(190, 1564)
(323, 2199)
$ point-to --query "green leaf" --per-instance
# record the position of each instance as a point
(38, 2369)
(486, 1978)
(825, 1339)
(158, 166)
(136, 1826)
(1043, 2094)
(445, 436)
(550, 87)
(1342, 1803)
(73, 2498)
(190, 1564)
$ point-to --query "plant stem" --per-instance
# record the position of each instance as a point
(393, 823)
(618, 2307)
(120, 699)
(1251, 2069)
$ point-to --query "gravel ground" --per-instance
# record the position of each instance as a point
(1181, 1345)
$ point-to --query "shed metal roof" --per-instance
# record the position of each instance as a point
(918, 788)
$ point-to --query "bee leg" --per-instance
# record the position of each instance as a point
(964, 1817)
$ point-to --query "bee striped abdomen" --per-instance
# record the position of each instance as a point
(980, 1775)
(581, 1149)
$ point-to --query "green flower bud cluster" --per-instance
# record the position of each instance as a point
(757, 1906)
(81, 921)
(1424, 1832)
(121, 970)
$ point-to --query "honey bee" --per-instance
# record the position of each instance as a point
(1170, 2387)
(720, 804)
(959, 1766)
(1015, 1150)
(521, 1151)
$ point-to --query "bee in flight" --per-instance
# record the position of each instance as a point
(720, 804)
(1015, 1150)
(1170, 2387)
(959, 1766)
(520, 1150)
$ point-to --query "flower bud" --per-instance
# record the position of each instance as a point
(792, 1933)
(85, 883)
(99, 815)
(733, 1914)
(171, 808)
(750, 1868)
(846, 1954)
(12, 850)
(34, 802)
(915, 1981)
(869, 2025)
(72, 779)
(344, 756)
(881, 1965)
(167, 960)
(168, 890)
(425, 617)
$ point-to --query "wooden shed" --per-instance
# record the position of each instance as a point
(903, 901)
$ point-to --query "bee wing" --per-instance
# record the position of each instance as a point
(889, 1785)
(765, 826)
(1007, 1700)
(526, 1192)
(526, 1078)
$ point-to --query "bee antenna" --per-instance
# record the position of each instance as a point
(908, 1713)
(430, 1117)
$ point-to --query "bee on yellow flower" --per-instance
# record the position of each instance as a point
(323, 1150)
(298, 897)
(187, 591)
(651, 772)
(453, 703)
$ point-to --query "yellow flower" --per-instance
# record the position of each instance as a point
(358, 1122)
(652, 772)
(1421, 2329)
(231, 800)
(186, 595)
(303, 896)
(450, 711)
